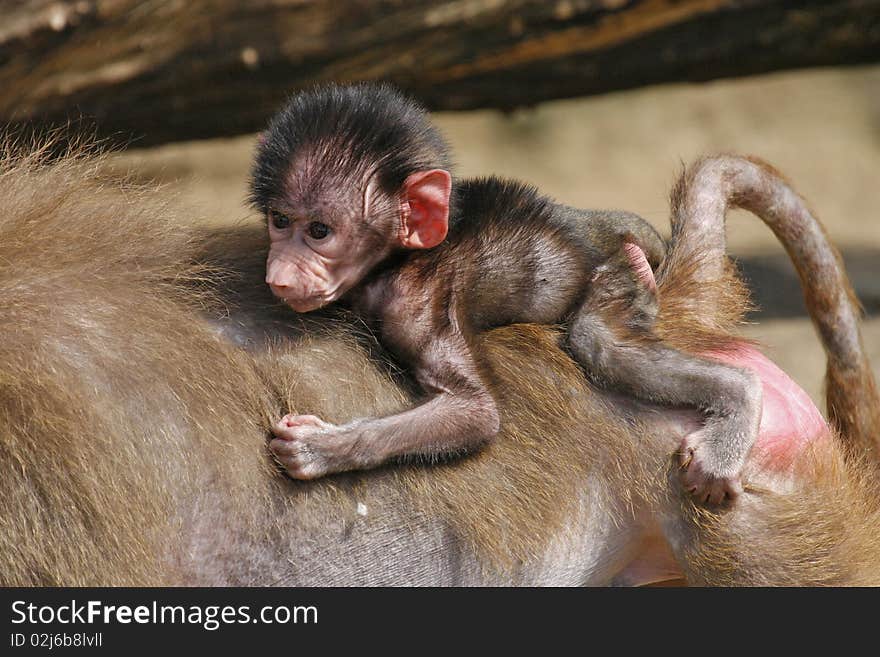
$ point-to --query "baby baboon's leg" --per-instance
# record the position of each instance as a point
(610, 335)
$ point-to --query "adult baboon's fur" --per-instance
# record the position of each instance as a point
(142, 362)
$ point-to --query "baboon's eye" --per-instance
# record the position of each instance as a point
(280, 221)
(318, 231)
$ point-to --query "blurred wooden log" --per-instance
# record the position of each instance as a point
(170, 70)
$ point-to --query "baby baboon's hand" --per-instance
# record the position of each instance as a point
(306, 445)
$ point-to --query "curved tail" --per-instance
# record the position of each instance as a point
(700, 201)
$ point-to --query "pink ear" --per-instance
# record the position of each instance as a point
(639, 262)
(425, 212)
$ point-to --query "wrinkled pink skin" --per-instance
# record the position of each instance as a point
(308, 275)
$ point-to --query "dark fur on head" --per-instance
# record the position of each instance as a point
(356, 131)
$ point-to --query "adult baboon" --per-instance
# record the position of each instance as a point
(140, 364)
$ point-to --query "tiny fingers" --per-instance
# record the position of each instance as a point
(292, 426)
(294, 420)
(298, 461)
(715, 492)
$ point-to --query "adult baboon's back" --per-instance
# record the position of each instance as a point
(136, 388)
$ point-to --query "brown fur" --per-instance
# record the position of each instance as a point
(694, 312)
(830, 517)
(102, 340)
(96, 385)
(823, 533)
(496, 498)
(715, 300)
(125, 420)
